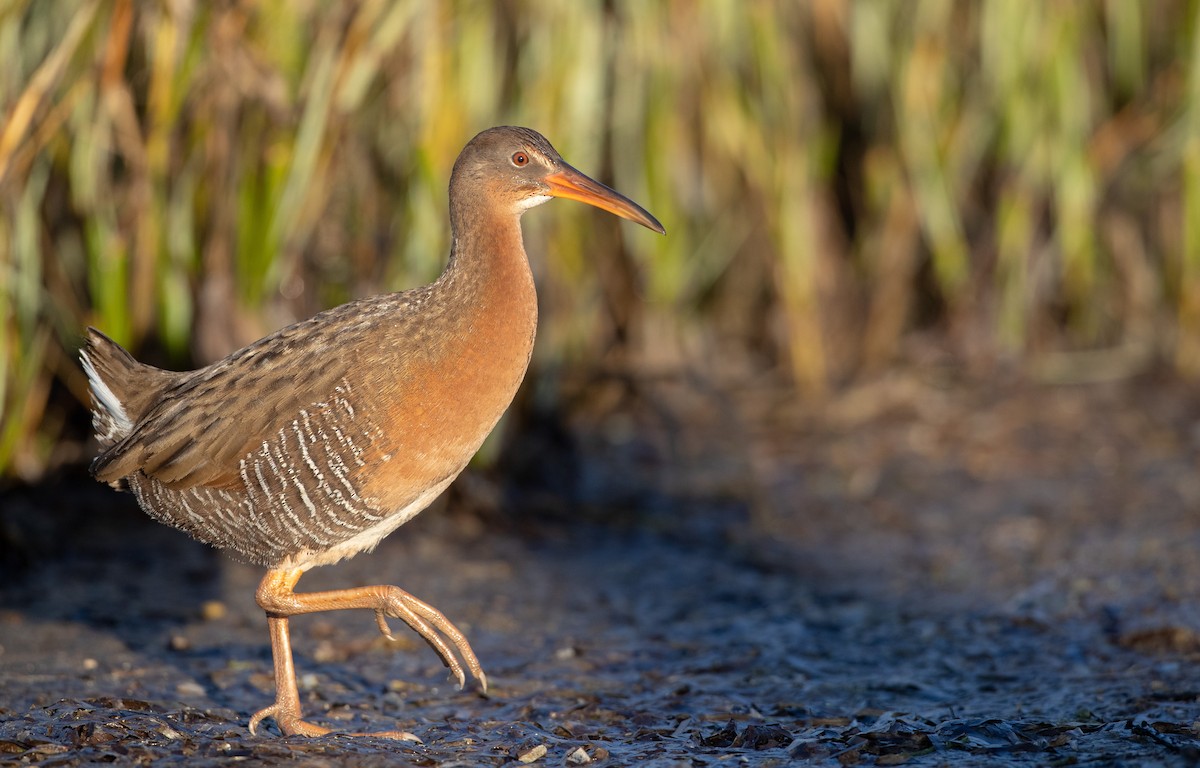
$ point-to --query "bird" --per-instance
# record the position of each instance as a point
(315, 442)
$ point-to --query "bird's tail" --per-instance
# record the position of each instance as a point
(121, 387)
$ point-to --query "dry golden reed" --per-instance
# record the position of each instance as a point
(1020, 176)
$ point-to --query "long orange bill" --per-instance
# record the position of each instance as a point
(573, 185)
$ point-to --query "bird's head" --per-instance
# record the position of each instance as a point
(518, 168)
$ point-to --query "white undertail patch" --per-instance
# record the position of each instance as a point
(110, 413)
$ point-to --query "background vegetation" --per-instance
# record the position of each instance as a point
(1017, 179)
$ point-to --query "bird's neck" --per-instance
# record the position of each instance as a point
(488, 277)
(489, 289)
(488, 257)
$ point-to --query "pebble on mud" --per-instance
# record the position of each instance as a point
(578, 756)
(566, 652)
(533, 754)
(326, 652)
(213, 610)
(189, 688)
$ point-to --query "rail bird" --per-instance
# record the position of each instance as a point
(315, 442)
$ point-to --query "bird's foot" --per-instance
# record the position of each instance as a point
(288, 720)
(428, 622)
(291, 724)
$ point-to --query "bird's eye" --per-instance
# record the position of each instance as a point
(520, 159)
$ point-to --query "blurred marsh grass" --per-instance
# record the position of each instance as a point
(1022, 177)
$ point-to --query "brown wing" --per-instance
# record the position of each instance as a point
(202, 426)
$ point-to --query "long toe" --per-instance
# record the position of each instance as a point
(428, 622)
(397, 735)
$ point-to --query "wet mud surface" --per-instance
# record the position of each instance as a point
(915, 573)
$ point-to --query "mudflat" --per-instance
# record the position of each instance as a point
(915, 571)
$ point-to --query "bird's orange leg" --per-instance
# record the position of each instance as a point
(286, 709)
(276, 597)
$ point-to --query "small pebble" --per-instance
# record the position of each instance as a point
(180, 643)
(340, 712)
(213, 610)
(90, 664)
(533, 754)
(578, 757)
(326, 652)
(190, 689)
(566, 652)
